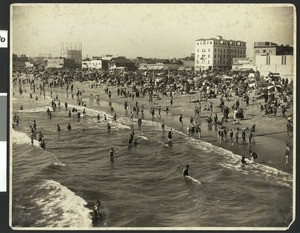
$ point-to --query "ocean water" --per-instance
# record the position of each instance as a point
(144, 187)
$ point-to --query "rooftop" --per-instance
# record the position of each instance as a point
(218, 38)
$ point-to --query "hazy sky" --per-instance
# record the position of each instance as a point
(147, 30)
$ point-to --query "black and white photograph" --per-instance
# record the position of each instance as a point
(152, 116)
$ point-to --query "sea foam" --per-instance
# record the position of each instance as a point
(61, 207)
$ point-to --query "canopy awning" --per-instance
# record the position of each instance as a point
(242, 69)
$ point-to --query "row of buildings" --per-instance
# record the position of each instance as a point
(120, 62)
(210, 54)
(222, 54)
(106, 62)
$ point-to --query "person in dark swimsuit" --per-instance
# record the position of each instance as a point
(112, 154)
(186, 170)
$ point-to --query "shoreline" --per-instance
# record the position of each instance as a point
(267, 136)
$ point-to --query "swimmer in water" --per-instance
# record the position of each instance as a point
(43, 144)
(40, 136)
(96, 212)
(170, 135)
(253, 155)
(243, 161)
(115, 117)
(112, 154)
(186, 170)
(135, 142)
(139, 123)
(69, 127)
(108, 127)
(131, 139)
(163, 126)
(34, 125)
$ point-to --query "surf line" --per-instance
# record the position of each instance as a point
(193, 179)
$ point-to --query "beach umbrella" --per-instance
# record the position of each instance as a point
(274, 88)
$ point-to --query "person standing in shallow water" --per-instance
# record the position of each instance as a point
(96, 211)
(69, 127)
(170, 135)
(185, 171)
(287, 153)
(108, 127)
(112, 154)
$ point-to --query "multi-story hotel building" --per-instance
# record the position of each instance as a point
(217, 53)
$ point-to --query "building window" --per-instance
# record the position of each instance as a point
(211, 42)
(203, 50)
(208, 50)
(215, 50)
(208, 62)
(283, 60)
(208, 55)
(268, 60)
(197, 56)
(215, 56)
(198, 50)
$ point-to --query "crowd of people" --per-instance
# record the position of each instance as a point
(156, 86)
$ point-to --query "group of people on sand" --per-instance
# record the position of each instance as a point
(139, 90)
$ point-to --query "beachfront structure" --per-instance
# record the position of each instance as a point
(242, 64)
(164, 64)
(187, 63)
(121, 63)
(282, 64)
(60, 62)
(92, 64)
(217, 53)
(274, 58)
(72, 51)
(270, 48)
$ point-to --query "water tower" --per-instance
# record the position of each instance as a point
(72, 51)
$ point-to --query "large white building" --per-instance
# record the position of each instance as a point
(217, 53)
